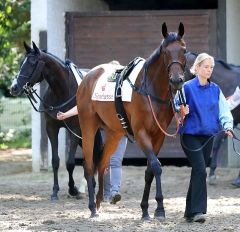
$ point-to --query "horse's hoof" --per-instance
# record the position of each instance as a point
(94, 215)
(54, 198)
(81, 196)
(236, 182)
(73, 192)
(146, 217)
(159, 215)
(160, 218)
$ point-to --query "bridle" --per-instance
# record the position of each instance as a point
(31, 93)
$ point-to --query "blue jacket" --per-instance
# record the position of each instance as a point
(208, 109)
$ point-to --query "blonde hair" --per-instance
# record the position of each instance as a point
(200, 58)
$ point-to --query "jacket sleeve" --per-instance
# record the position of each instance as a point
(225, 115)
(234, 100)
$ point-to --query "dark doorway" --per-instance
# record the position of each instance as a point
(161, 5)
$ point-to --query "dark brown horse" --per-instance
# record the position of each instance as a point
(161, 75)
(60, 94)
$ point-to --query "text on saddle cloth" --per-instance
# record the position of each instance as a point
(105, 90)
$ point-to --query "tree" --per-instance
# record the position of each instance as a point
(14, 29)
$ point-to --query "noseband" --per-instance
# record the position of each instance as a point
(175, 62)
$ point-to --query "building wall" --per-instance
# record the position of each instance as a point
(233, 31)
(233, 56)
(38, 23)
(56, 20)
(49, 15)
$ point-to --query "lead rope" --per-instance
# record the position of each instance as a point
(155, 118)
(78, 136)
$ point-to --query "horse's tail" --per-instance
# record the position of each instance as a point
(97, 150)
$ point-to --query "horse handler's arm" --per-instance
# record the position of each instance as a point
(68, 114)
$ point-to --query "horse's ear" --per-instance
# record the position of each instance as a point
(181, 30)
(36, 49)
(164, 30)
(27, 47)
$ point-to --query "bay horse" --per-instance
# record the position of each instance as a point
(60, 95)
(159, 78)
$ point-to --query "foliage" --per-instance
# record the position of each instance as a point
(15, 139)
(15, 123)
(14, 29)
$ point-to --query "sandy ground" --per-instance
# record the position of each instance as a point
(25, 204)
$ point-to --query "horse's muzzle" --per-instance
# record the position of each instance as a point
(176, 81)
(15, 90)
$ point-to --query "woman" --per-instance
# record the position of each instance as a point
(206, 112)
(113, 176)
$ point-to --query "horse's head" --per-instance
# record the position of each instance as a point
(173, 49)
(30, 71)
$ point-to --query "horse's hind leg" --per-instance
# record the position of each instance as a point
(88, 132)
(70, 165)
(144, 203)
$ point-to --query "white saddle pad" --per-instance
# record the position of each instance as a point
(104, 90)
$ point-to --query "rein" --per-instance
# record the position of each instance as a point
(30, 91)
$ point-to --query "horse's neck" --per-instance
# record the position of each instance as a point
(59, 81)
(157, 79)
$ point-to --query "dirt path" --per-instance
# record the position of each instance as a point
(25, 205)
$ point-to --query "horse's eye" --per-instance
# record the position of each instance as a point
(32, 61)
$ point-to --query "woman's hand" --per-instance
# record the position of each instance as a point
(61, 116)
(229, 133)
(186, 110)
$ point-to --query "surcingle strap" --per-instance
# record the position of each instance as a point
(120, 76)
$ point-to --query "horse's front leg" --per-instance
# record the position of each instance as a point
(157, 171)
(52, 132)
(154, 169)
(144, 203)
(70, 165)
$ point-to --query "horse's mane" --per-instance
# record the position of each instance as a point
(172, 37)
(55, 57)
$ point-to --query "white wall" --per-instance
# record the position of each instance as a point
(49, 15)
(233, 56)
(233, 31)
(38, 23)
(56, 20)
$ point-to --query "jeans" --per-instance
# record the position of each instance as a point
(113, 177)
